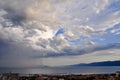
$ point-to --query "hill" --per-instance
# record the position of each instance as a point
(104, 63)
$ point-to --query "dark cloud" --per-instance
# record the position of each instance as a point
(78, 51)
(15, 17)
(91, 49)
(4, 47)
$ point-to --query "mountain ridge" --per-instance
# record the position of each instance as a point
(103, 63)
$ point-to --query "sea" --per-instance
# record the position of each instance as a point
(64, 70)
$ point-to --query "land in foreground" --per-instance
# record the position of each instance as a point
(16, 76)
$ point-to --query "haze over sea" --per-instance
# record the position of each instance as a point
(66, 70)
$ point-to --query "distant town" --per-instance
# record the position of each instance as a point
(17, 76)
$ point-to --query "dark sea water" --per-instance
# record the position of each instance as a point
(65, 70)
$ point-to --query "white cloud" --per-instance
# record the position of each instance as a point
(33, 24)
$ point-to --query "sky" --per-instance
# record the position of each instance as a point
(35, 33)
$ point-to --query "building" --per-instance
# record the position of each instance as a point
(118, 74)
(9, 76)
